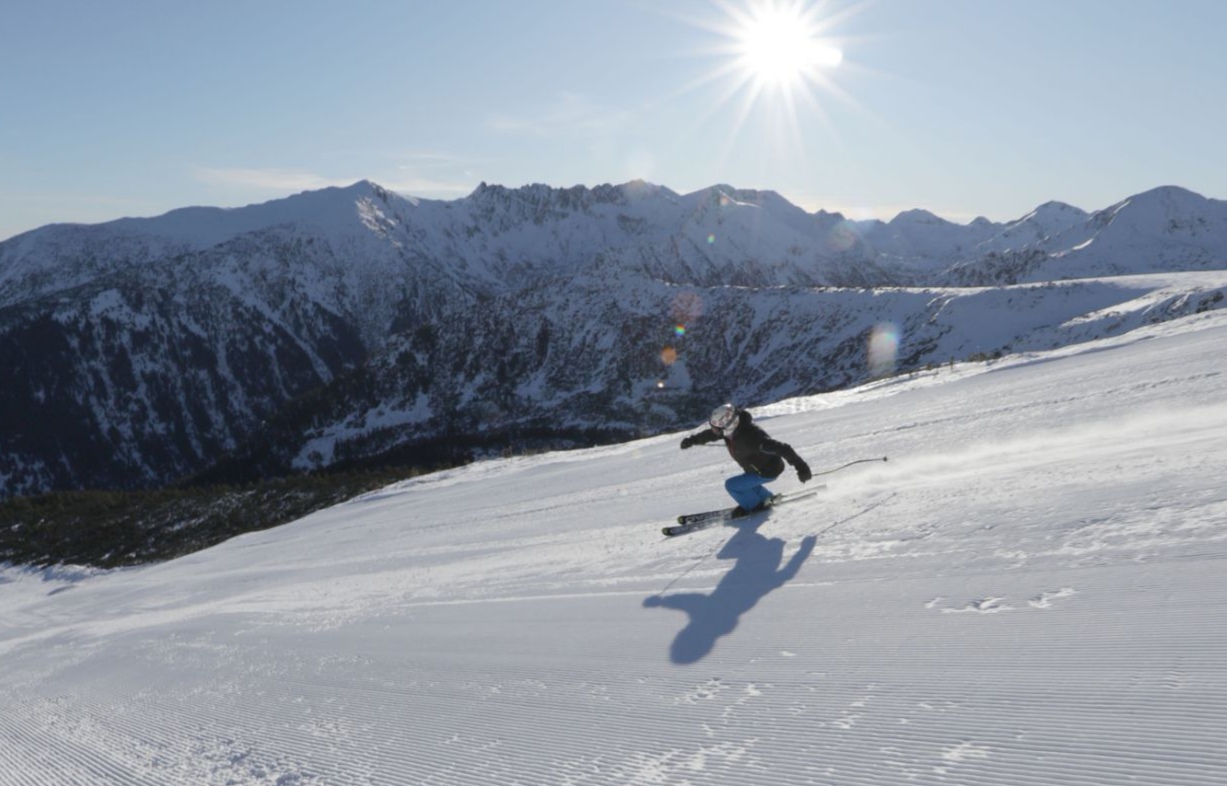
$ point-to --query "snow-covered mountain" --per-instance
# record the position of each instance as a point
(347, 322)
(1028, 593)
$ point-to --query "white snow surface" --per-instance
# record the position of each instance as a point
(1030, 591)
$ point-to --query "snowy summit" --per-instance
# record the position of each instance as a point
(141, 349)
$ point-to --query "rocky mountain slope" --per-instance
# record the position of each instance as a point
(348, 323)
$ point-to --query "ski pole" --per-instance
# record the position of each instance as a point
(828, 471)
(849, 464)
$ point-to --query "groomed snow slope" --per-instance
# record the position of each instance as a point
(1030, 592)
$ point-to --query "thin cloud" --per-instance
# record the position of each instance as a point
(268, 179)
(571, 113)
(429, 187)
(433, 174)
(433, 159)
(406, 178)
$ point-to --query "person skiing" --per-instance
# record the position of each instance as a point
(758, 454)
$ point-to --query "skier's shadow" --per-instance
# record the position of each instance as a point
(755, 573)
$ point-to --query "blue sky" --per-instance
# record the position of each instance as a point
(961, 107)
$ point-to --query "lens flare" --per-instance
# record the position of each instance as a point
(679, 330)
(686, 308)
(711, 240)
(883, 349)
(668, 356)
(842, 237)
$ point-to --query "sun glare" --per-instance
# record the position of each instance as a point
(780, 46)
(778, 56)
(777, 63)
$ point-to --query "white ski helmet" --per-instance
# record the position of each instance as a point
(724, 419)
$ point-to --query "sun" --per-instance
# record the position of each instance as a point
(780, 47)
(775, 64)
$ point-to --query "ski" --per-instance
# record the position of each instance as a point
(690, 522)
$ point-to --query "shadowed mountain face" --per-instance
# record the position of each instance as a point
(345, 324)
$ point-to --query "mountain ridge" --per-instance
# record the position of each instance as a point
(143, 350)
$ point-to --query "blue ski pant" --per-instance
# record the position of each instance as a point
(748, 490)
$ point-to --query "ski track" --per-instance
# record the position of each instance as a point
(1026, 595)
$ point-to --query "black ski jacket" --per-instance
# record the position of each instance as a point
(751, 448)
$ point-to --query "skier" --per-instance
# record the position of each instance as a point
(759, 455)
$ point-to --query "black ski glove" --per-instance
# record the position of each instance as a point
(803, 473)
(687, 442)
